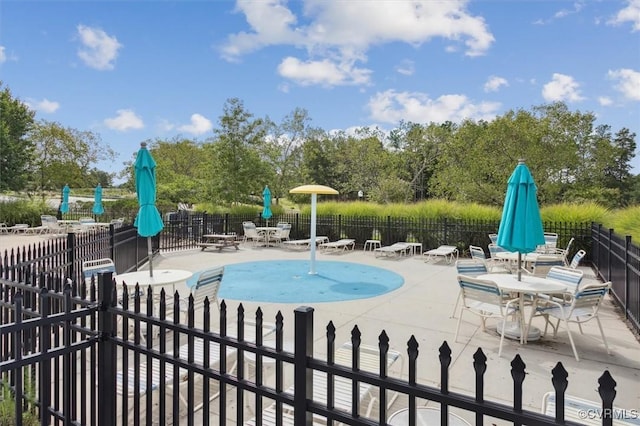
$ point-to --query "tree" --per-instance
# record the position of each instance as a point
(64, 156)
(16, 150)
(239, 169)
(284, 150)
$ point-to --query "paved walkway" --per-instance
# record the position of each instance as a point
(422, 307)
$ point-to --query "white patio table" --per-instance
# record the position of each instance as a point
(527, 285)
(161, 278)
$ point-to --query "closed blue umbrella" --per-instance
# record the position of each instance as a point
(98, 208)
(266, 201)
(148, 220)
(521, 225)
(64, 206)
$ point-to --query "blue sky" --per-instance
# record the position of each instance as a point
(136, 70)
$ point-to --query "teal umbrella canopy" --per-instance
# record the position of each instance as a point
(64, 206)
(266, 201)
(148, 220)
(98, 208)
(521, 226)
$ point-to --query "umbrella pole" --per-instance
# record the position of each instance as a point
(519, 266)
(150, 253)
(312, 268)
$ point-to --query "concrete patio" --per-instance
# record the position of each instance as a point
(422, 307)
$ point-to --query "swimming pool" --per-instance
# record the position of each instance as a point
(289, 281)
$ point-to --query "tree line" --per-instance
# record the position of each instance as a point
(571, 158)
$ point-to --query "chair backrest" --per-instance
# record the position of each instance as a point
(87, 220)
(283, 230)
(471, 267)
(543, 264)
(283, 224)
(207, 286)
(589, 297)
(577, 258)
(477, 253)
(494, 248)
(250, 230)
(94, 267)
(485, 291)
(569, 245)
(571, 277)
(551, 239)
(493, 238)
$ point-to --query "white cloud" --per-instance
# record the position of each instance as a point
(605, 101)
(325, 72)
(3, 56)
(631, 13)
(406, 67)
(561, 88)
(494, 83)
(125, 120)
(198, 125)
(562, 13)
(98, 50)
(628, 82)
(392, 107)
(44, 105)
(336, 32)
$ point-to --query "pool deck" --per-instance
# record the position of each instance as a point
(422, 307)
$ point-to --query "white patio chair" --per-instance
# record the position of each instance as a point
(485, 299)
(281, 234)
(544, 263)
(575, 408)
(494, 265)
(251, 234)
(565, 251)
(584, 306)
(575, 262)
(471, 268)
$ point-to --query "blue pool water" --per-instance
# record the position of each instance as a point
(289, 281)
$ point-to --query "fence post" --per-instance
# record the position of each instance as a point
(609, 254)
(627, 283)
(106, 352)
(444, 231)
(112, 244)
(71, 253)
(302, 376)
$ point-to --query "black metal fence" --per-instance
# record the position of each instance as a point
(617, 260)
(185, 230)
(66, 350)
(85, 367)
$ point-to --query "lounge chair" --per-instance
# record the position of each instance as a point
(340, 245)
(304, 243)
(449, 253)
(575, 409)
(394, 250)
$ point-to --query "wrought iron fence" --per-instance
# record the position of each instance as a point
(85, 356)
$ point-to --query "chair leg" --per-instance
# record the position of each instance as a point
(504, 324)
(602, 334)
(458, 326)
(455, 307)
(573, 345)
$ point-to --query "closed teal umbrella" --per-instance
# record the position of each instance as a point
(266, 202)
(521, 226)
(64, 206)
(148, 220)
(98, 208)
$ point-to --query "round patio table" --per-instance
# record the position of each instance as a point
(425, 416)
(528, 284)
(161, 278)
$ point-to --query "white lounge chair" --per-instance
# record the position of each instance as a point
(575, 409)
(394, 250)
(340, 245)
(449, 253)
(304, 243)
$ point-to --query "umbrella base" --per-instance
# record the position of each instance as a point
(513, 331)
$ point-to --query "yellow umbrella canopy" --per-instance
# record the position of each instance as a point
(313, 189)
